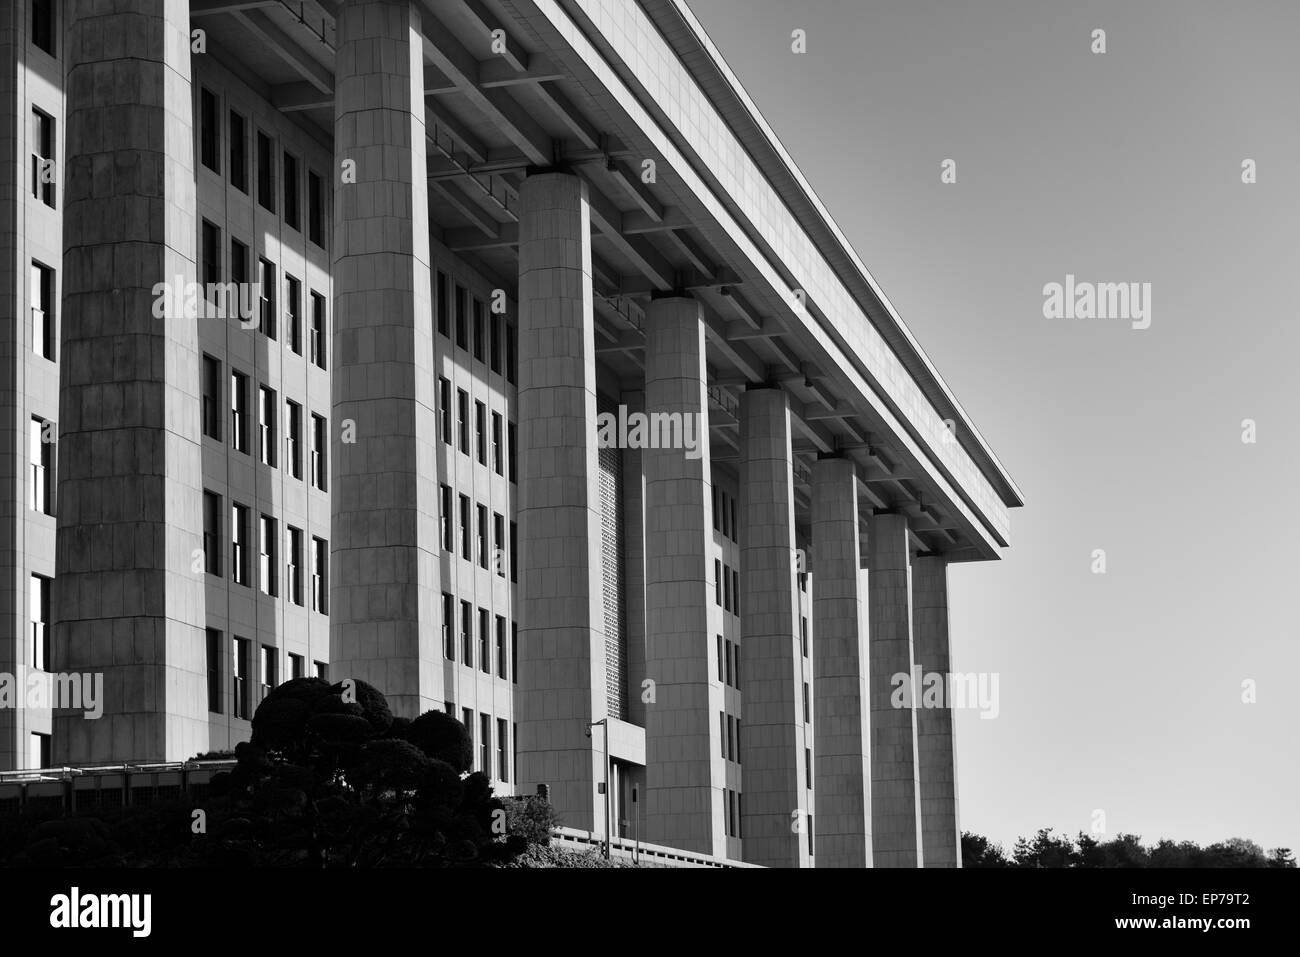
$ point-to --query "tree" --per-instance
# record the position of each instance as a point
(1044, 850)
(979, 851)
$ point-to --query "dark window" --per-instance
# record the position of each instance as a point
(43, 309)
(209, 134)
(319, 460)
(440, 307)
(479, 330)
(270, 673)
(501, 646)
(267, 411)
(482, 536)
(512, 448)
(265, 173)
(320, 577)
(316, 209)
(485, 744)
(240, 675)
(293, 568)
(39, 613)
(239, 411)
(503, 769)
(296, 666)
(462, 320)
(212, 540)
(807, 710)
(444, 516)
(484, 642)
(322, 670)
(512, 366)
(238, 152)
(291, 190)
(514, 552)
(43, 159)
(43, 28)
(448, 628)
(480, 432)
(467, 634)
(214, 670)
(444, 408)
(462, 411)
(294, 292)
(514, 652)
(239, 543)
(318, 329)
(494, 343)
(210, 264)
(498, 453)
(268, 562)
(211, 404)
(464, 527)
(268, 318)
(498, 543)
(293, 437)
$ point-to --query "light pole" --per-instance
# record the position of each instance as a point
(604, 723)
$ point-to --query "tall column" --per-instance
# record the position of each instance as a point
(842, 703)
(936, 746)
(127, 599)
(685, 776)
(774, 819)
(561, 588)
(895, 809)
(384, 619)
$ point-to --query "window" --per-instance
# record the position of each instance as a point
(265, 175)
(240, 676)
(462, 410)
(214, 670)
(449, 707)
(722, 670)
(498, 453)
(43, 38)
(484, 641)
(238, 152)
(212, 533)
(735, 592)
(444, 409)
(722, 733)
(294, 292)
(485, 743)
(503, 770)
(444, 516)
(803, 635)
(479, 331)
(43, 338)
(481, 513)
(41, 449)
(467, 719)
(737, 751)
(464, 527)
(320, 554)
(494, 343)
(39, 615)
(501, 647)
(735, 653)
(293, 566)
(499, 543)
(267, 409)
(39, 756)
(268, 670)
(291, 191)
(727, 660)
(319, 465)
(514, 552)
(480, 432)
(318, 330)
(239, 411)
(209, 137)
(807, 712)
(316, 209)
(239, 278)
(461, 317)
(440, 307)
(514, 653)
(716, 493)
(512, 366)
(322, 670)
(731, 737)
(293, 437)
(448, 627)
(731, 813)
(717, 582)
(466, 634)
(807, 767)
(296, 666)
(43, 159)
(211, 402)
(267, 319)
(511, 448)
(239, 543)
(210, 260)
(811, 849)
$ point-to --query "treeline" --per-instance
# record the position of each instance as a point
(1046, 849)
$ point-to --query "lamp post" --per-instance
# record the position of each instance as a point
(604, 723)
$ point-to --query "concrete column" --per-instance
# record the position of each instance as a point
(841, 770)
(936, 746)
(561, 587)
(774, 819)
(384, 619)
(685, 776)
(895, 807)
(128, 599)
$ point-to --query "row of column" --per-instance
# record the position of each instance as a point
(870, 757)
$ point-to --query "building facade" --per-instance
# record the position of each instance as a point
(495, 353)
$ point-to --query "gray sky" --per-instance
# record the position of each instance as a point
(1122, 691)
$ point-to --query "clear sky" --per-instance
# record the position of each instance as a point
(1119, 691)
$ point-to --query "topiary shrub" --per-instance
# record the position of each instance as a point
(443, 738)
